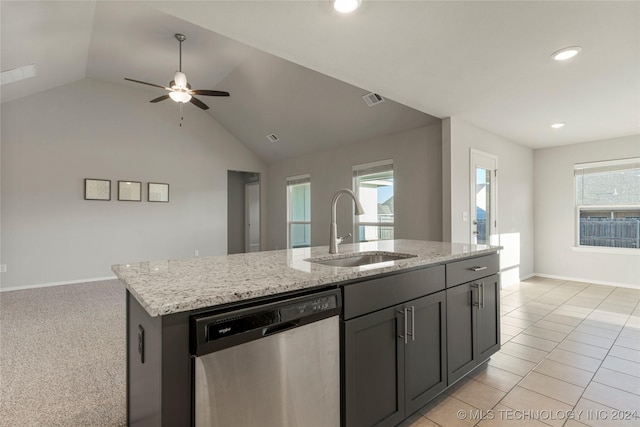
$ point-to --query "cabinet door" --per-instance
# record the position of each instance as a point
(374, 369)
(425, 353)
(488, 324)
(461, 320)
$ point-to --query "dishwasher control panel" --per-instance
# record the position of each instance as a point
(214, 331)
(303, 308)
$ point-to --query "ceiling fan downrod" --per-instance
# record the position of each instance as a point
(180, 38)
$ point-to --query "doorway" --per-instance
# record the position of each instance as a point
(484, 194)
(243, 212)
(252, 216)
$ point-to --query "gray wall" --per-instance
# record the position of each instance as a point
(418, 185)
(515, 194)
(555, 218)
(235, 212)
(89, 129)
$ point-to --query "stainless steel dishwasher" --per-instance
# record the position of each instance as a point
(275, 364)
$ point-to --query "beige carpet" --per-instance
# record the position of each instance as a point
(63, 356)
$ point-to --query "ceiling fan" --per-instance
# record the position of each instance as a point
(179, 90)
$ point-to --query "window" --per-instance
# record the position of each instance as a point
(299, 211)
(608, 203)
(373, 184)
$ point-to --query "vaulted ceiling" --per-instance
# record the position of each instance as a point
(299, 70)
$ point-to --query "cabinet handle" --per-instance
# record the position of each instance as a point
(478, 268)
(406, 324)
(474, 302)
(413, 323)
(482, 294)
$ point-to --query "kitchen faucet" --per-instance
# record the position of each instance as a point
(333, 240)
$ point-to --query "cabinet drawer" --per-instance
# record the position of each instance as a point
(372, 295)
(468, 270)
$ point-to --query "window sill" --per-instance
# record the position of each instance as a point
(606, 250)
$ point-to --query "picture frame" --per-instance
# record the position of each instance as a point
(158, 192)
(130, 191)
(97, 189)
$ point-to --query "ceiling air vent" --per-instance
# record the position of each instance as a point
(272, 137)
(372, 99)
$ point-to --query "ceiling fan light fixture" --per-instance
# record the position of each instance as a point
(178, 96)
(346, 6)
(566, 53)
(179, 80)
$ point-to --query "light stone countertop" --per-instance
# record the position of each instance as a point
(173, 286)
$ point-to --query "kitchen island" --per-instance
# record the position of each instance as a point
(162, 296)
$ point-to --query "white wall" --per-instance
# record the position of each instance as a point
(89, 129)
(515, 193)
(417, 185)
(555, 255)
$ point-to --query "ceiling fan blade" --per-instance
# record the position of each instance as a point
(198, 103)
(210, 92)
(160, 98)
(145, 83)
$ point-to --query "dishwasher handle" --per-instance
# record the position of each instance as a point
(281, 327)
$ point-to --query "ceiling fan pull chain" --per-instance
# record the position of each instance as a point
(181, 116)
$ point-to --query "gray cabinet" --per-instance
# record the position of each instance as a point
(473, 314)
(426, 351)
(394, 361)
(373, 369)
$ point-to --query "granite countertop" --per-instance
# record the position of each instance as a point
(173, 286)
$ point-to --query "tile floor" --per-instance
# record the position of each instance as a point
(570, 357)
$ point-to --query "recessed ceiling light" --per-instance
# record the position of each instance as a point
(566, 53)
(346, 6)
(558, 125)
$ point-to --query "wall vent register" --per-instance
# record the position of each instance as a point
(372, 99)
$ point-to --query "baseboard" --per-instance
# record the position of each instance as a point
(66, 282)
(584, 280)
(528, 276)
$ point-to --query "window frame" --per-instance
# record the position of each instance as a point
(367, 169)
(617, 164)
(290, 181)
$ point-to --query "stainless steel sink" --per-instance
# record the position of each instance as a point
(361, 258)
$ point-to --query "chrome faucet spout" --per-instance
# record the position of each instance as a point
(333, 233)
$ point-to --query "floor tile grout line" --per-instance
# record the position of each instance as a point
(546, 357)
(548, 376)
(586, 343)
(609, 385)
(532, 370)
(596, 371)
(583, 314)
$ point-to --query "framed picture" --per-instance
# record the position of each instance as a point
(97, 189)
(158, 192)
(129, 191)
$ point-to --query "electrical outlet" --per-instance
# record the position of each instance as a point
(3, 268)
(196, 253)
